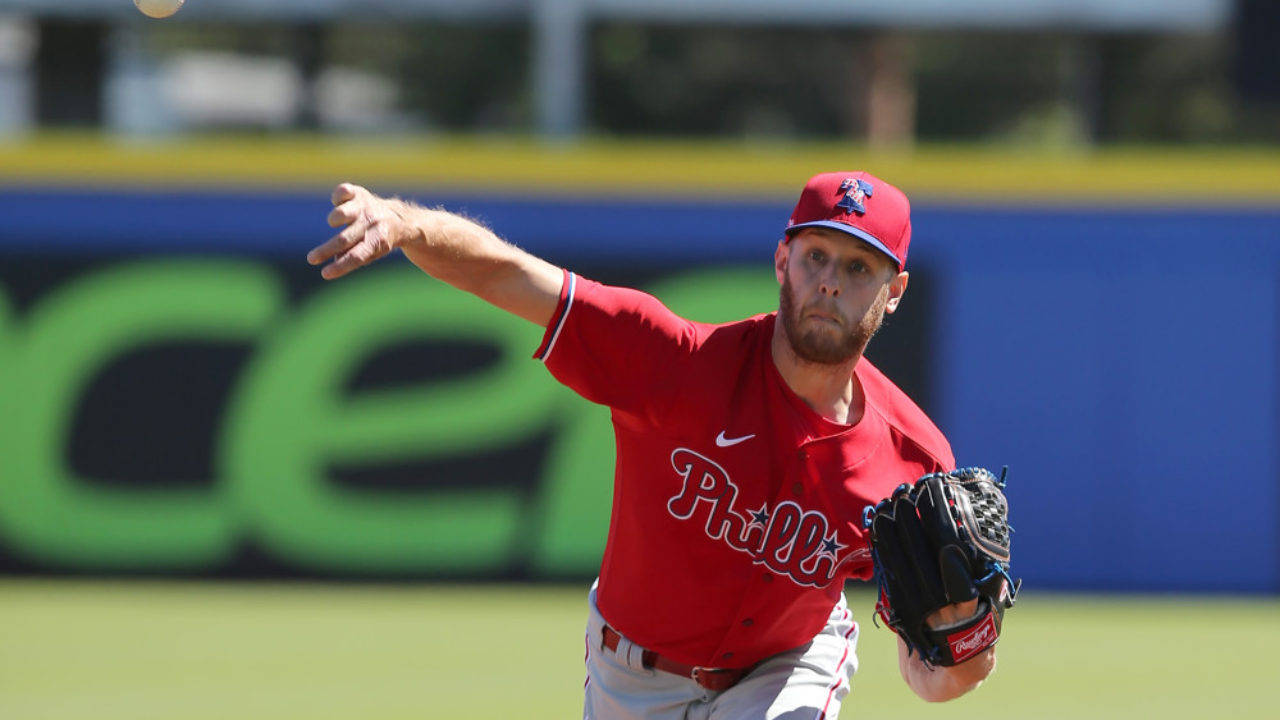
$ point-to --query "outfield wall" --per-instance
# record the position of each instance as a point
(181, 394)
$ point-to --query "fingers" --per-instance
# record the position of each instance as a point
(337, 244)
(370, 248)
(346, 211)
(344, 214)
(343, 193)
(364, 240)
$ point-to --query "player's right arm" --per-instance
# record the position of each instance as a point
(447, 247)
(614, 346)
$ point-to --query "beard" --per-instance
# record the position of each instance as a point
(824, 345)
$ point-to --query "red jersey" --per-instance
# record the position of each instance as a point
(737, 509)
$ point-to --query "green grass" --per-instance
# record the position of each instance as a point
(108, 650)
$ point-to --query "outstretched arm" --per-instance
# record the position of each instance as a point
(447, 247)
(939, 684)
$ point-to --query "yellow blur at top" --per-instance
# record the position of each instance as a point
(514, 166)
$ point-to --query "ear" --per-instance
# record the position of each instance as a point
(780, 259)
(897, 288)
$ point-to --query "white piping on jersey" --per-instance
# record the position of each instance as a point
(568, 305)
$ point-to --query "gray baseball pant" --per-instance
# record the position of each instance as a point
(805, 683)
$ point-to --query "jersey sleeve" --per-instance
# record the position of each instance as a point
(616, 346)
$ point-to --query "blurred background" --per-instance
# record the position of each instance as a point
(228, 489)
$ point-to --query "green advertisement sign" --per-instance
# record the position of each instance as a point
(290, 417)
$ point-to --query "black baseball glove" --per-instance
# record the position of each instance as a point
(944, 540)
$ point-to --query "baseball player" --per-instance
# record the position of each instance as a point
(747, 456)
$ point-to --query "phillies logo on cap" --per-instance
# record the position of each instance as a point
(856, 191)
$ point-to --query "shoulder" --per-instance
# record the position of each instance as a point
(719, 354)
(903, 415)
(614, 301)
(620, 316)
(734, 337)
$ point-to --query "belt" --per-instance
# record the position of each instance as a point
(714, 679)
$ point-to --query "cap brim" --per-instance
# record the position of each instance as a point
(862, 235)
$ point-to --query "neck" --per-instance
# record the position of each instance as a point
(831, 390)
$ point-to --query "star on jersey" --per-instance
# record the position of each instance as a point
(856, 191)
(830, 546)
(761, 516)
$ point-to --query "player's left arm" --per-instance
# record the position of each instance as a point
(941, 554)
(941, 683)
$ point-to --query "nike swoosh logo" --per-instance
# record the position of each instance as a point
(722, 441)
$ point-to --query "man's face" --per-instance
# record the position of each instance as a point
(835, 292)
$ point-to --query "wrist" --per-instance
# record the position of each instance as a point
(416, 222)
(969, 674)
(942, 683)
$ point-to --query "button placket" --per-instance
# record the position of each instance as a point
(733, 636)
(803, 454)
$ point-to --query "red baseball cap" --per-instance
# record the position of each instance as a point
(860, 204)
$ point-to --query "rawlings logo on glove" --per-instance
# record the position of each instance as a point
(965, 645)
(941, 542)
